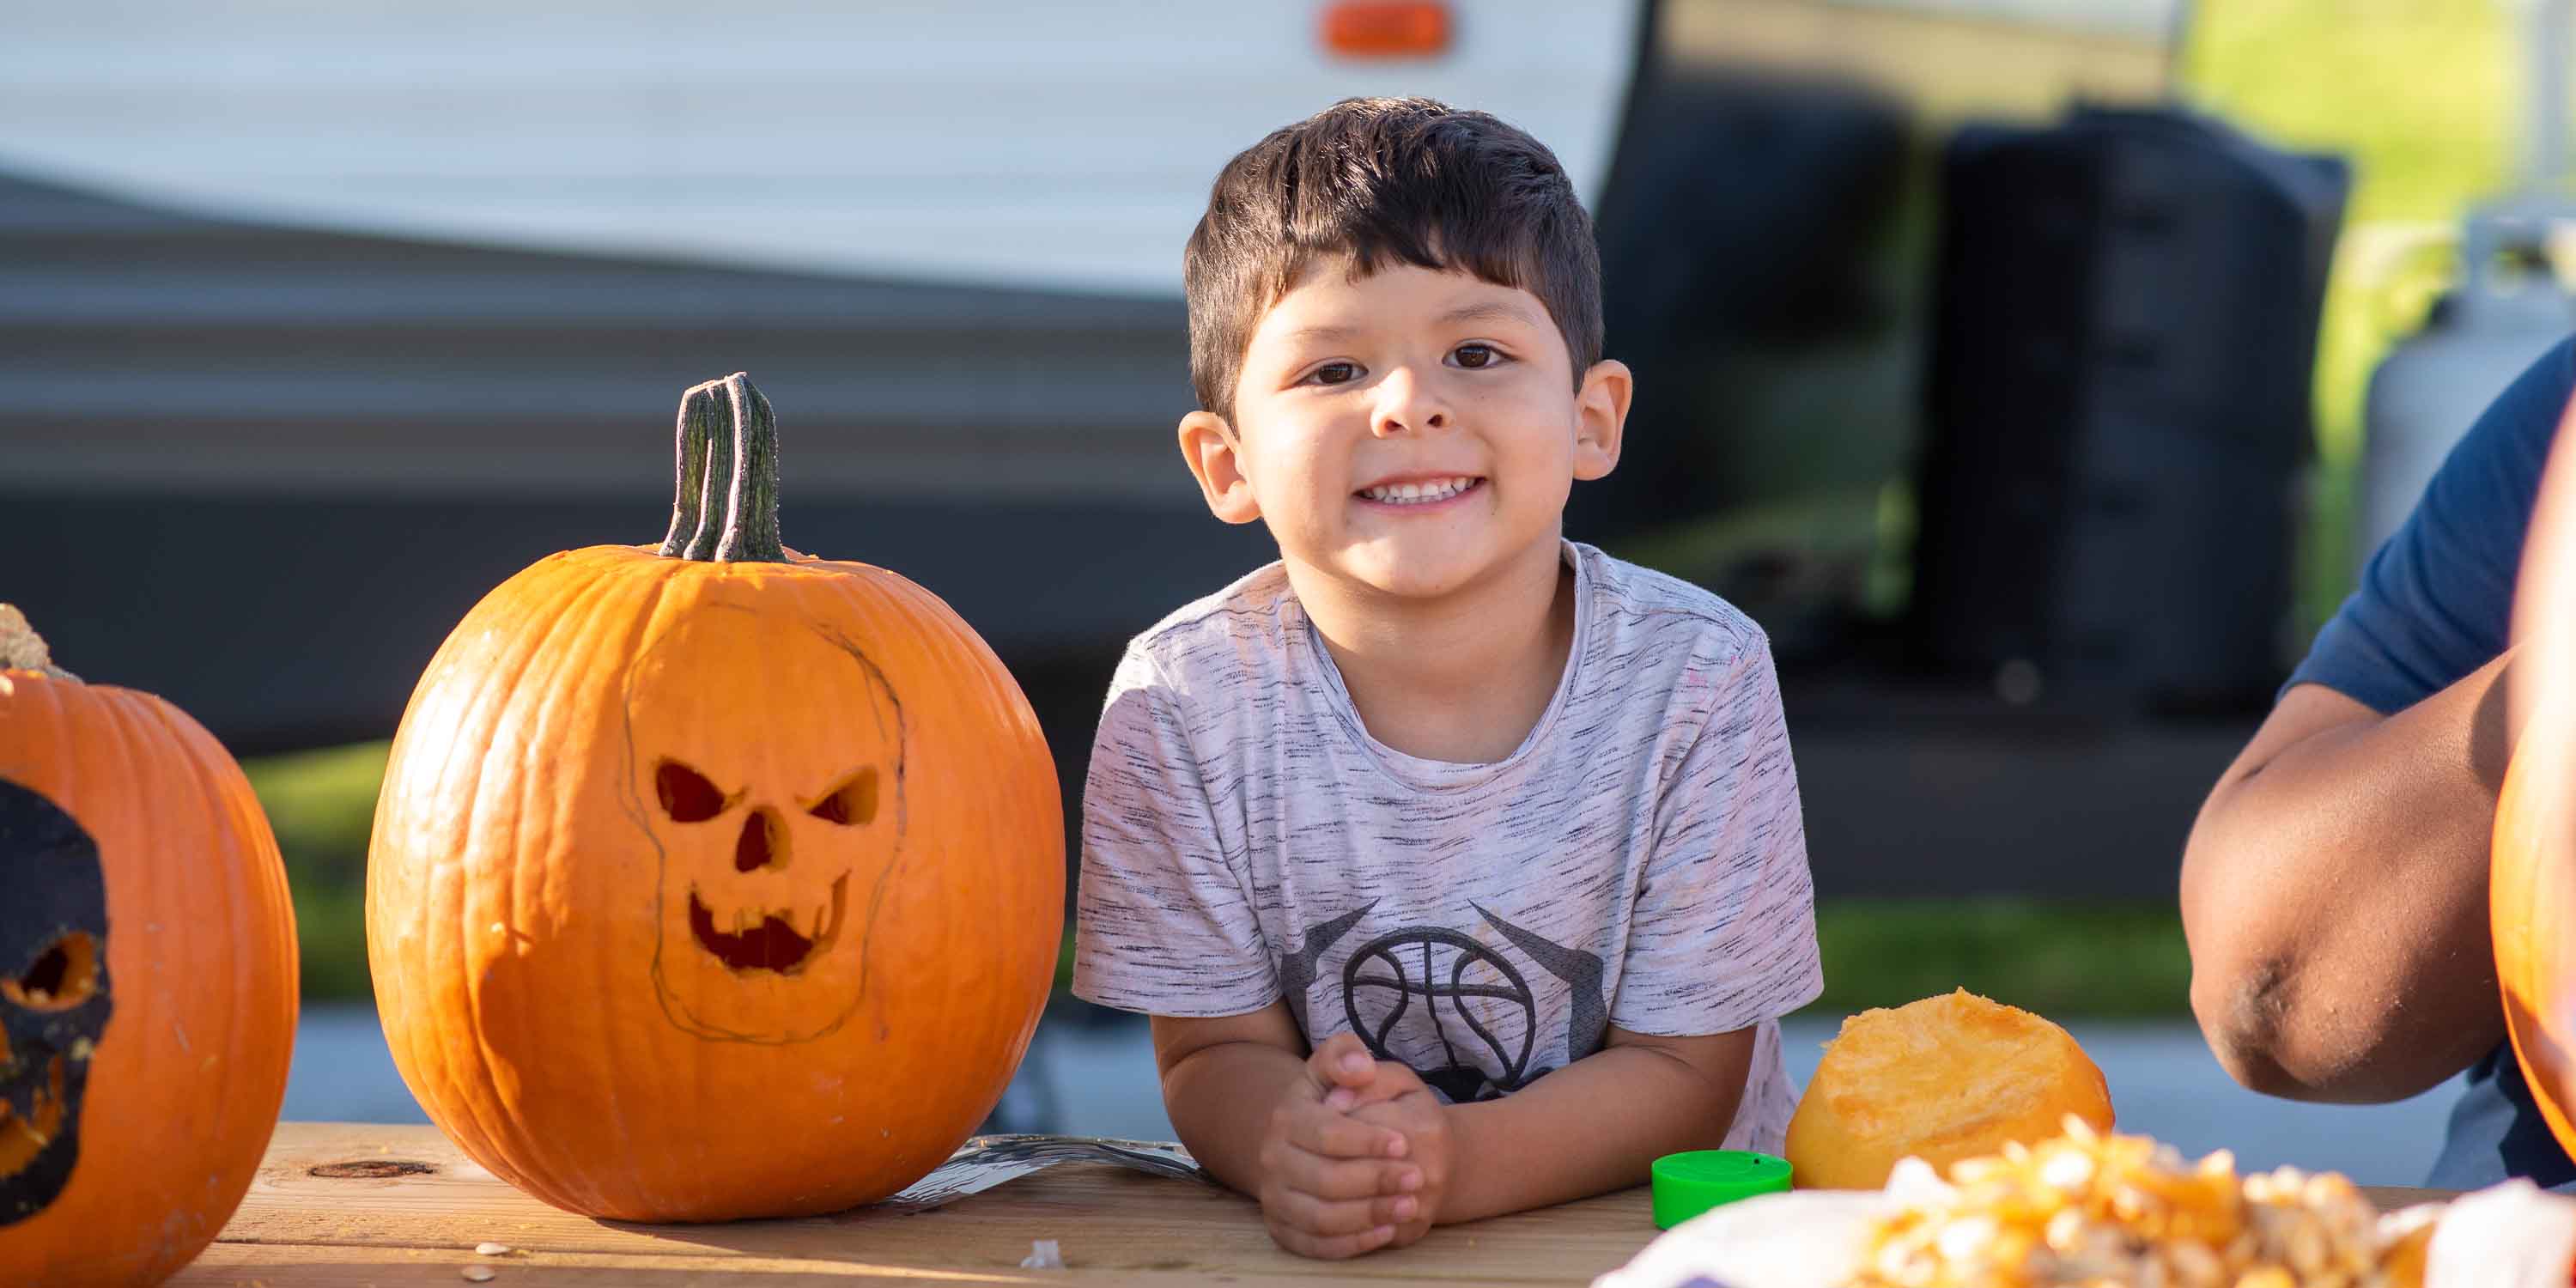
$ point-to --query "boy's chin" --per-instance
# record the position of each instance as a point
(1425, 567)
(1416, 580)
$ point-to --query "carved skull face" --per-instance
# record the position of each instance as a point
(765, 762)
(53, 994)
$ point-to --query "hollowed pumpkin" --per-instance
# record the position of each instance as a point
(713, 880)
(147, 978)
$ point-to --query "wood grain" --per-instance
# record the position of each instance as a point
(400, 1206)
(1113, 1226)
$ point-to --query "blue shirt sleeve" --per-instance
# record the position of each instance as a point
(2436, 601)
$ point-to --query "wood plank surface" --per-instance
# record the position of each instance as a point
(360, 1204)
(400, 1205)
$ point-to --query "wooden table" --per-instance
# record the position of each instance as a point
(358, 1204)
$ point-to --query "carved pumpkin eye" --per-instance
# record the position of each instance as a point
(686, 794)
(64, 976)
(853, 802)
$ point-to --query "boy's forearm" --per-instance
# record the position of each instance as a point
(1589, 1128)
(1220, 1100)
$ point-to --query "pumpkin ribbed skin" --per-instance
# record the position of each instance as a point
(2531, 872)
(2532, 914)
(186, 1079)
(531, 900)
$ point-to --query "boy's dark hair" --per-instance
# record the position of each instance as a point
(1386, 181)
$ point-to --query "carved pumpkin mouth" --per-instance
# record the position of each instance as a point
(772, 942)
(25, 1135)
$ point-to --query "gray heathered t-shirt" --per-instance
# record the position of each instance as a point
(1639, 861)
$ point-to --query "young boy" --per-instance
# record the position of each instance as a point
(1459, 866)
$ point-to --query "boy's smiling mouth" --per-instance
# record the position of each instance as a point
(1426, 491)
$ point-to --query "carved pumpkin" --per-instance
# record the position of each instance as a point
(716, 880)
(2531, 887)
(147, 978)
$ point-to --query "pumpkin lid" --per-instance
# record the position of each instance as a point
(22, 649)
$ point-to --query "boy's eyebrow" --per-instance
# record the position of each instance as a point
(1305, 334)
(1489, 311)
(1482, 311)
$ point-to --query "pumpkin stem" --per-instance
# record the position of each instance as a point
(751, 512)
(724, 506)
(697, 408)
(715, 477)
(22, 649)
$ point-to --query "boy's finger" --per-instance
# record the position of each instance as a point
(1342, 1060)
(1332, 1135)
(1381, 1089)
(1344, 1216)
(1330, 1247)
(1345, 1178)
(1391, 1111)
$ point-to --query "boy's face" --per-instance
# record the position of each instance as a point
(1410, 432)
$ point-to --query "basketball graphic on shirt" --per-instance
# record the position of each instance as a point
(1477, 1003)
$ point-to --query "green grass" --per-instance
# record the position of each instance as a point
(2096, 960)
(322, 805)
(2057, 959)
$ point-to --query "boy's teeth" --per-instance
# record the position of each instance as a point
(1437, 490)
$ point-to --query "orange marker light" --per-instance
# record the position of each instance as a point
(1386, 28)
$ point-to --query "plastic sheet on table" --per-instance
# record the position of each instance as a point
(986, 1161)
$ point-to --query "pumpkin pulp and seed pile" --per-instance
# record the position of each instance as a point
(2103, 1211)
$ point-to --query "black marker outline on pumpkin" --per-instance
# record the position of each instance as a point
(642, 817)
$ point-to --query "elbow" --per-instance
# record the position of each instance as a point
(2241, 993)
(2243, 1015)
(2320, 1043)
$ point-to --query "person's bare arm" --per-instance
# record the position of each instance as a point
(1247, 1098)
(2334, 892)
(1594, 1125)
(1220, 1079)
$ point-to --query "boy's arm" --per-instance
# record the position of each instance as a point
(1594, 1125)
(1248, 1101)
(1221, 1078)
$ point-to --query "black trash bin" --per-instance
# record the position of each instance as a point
(2117, 408)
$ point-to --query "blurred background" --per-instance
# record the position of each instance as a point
(2037, 372)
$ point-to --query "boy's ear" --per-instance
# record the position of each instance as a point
(1207, 443)
(1600, 417)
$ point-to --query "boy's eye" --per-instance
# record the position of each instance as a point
(1335, 373)
(1474, 356)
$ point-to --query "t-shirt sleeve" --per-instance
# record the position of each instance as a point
(1164, 920)
(1723, 935)
(2435, 602)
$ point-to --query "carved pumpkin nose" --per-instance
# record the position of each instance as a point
(763, 843)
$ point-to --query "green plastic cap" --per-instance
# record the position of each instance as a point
(1691, 1183)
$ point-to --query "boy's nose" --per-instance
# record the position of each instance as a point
(1397, 424)
(1406, 404)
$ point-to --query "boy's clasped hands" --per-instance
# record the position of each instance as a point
(1356, 1157)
